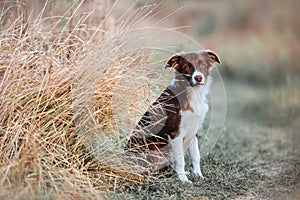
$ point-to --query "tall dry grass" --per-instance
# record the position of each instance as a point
(57, 78)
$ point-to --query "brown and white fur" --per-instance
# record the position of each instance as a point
(177, 114)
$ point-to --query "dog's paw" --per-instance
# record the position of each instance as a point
(198, 175)
(187, 181)
(184, 178)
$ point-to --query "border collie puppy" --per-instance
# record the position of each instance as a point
(174, 118)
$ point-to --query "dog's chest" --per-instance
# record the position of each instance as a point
(192, 118)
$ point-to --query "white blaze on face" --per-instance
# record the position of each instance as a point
(198, 74)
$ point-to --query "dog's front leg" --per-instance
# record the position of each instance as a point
(178, 158)
(195, 157)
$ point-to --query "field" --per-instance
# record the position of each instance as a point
(75, 76)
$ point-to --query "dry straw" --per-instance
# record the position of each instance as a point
(49, 116)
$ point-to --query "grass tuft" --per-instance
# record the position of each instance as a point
(49, 118)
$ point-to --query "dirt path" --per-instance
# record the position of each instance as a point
(272, 148)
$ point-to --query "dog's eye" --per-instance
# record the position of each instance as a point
(203, 65)
(187, 67)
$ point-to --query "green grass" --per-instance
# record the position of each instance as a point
(252, 159)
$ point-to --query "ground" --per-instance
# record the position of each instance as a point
(255, 158)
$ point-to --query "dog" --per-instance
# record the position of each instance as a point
(177, 114)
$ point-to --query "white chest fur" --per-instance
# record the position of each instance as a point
(193, 118)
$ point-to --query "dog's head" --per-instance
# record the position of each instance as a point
(193, 67)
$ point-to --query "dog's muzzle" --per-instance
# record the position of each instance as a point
(198, 80)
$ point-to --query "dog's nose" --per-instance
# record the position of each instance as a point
(198, 78)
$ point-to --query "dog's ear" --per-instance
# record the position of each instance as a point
(175, 61)
(213, 57)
